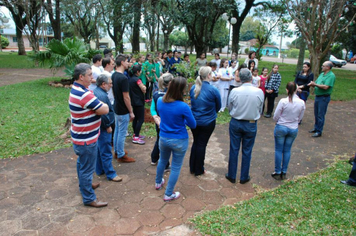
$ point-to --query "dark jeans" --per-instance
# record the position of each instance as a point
(201, 135)
(303, 95)
(270, 102)
(352, 176)
(241, 132)
(320, 108)
(155, 151)
(148, 94)
(137, 122)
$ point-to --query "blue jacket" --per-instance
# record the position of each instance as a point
(206, 105)
(108, 119)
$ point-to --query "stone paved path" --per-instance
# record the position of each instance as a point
(39, 194)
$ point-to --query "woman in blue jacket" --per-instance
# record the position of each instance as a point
(174, 114)
(205, 103)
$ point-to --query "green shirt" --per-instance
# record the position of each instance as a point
(142, 75)
(329, 80)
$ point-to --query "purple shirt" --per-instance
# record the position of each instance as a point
(289, 114)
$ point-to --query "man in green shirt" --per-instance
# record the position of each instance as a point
(323, 88)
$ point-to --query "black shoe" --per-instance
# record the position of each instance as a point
(312, 131)
(276, 176)
(230, 179)
(346, 182)
(283, 176)
(316, 135)
(267, 115)
(245, 181)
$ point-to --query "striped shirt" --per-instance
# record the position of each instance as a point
(85, 123)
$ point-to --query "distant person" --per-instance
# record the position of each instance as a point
(85, 112)
(122, 108)
(288, 114)
(263, 80)
(245, 107)
(273, 82)
(201, 61)
(217, 60)
(104, 160)
(302, 79)
(109, 64)
(352, 177)
(172, 63)
(252, 56)
(226, 77)
(323, 88)
(256, 79)
(97, 70)
(175, 114)
(205, 103)
(215, 75)
(251, 65)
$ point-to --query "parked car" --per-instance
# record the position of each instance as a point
(337, 62)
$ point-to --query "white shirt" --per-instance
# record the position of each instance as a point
(256, 62)
(110, 93)
(96, 72)
(217, 63)
(225, 73)
(289, 114)
(245, 102)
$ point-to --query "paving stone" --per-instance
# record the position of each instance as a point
(230, 201)
(56, 193)
(102, 230)
(133, 196)
(171, 210)
(150, 218)
(152, 203)
(129, 210)
(8, 203)
(62, 215)
(16, 175)
(193, 204)
(32, 198)
(2, 195)
(170, 223)
(80, 224)
(9, 227)
(188, 215)
(213, 198)
(135, 184)
(191, 191)
(127, 226)
(18, 191)
(210, 186)
(230, 192)
(53, 229)
(147, 230)
(34, 221)
(26, 233)
(106, 217)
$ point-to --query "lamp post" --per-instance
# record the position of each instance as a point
(5, 20)
(232, 21)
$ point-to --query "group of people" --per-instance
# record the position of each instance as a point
(120, 95)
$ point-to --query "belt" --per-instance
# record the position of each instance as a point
(325, 95)
(250, 121)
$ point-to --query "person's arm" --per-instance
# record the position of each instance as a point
(127, 102)
(217, 100)
(189, 118)
(102, 110)
(153, 108)
(278, 111)
(277, 83)
(310, 79)
(141, 86)
(300, 117)
(321, 86)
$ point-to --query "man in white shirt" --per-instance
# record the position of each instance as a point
(96, 69)
(108, 64)
(245, 106)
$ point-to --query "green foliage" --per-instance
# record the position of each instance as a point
(186, 70)
(294, 53)
(67, 53)
(249, 28)
(179, 38)
(336, 50)
(220, 37)
(4, 42)
(13, 60)
(314, 205)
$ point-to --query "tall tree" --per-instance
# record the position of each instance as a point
(200, 17)
(34, 16)
(137, 5)
(240, 11)
(18, 15)
(319, 25)
(150, 22)
(54, 15)
(168, 20)
(116, 16)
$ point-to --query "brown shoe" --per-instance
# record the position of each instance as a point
(117, 179)
(126, 159)
(97, 204)
(95, 185)
(116, 157)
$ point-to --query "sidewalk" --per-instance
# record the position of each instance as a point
(39, 194)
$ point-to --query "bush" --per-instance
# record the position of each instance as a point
(247, 50)
(336, 50)
(294, 53)
(4, 42)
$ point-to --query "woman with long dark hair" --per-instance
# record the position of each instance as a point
(205, 103)
(288, 114)
(175, 114)
(302, 79)
(137, 95)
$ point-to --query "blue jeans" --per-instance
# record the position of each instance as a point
(121, 125)
(104, 161)
(245, 132)
(320, 107)
(303, 95)
(283, 140)
(178, 148)
(87, 155)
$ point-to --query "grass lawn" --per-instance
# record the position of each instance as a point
(314, 205)
(13, 60)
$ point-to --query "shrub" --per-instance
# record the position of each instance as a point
(4, 42)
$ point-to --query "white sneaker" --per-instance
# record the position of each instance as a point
(159, 186)
(174, 196)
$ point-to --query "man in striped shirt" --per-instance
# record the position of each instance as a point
(85, 110)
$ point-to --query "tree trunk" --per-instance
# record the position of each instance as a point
(301, 54)
(20, 43)
(315, 64)
(166, 41)
(158, 24)
(136, 27)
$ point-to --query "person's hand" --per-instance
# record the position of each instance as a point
(132, 115)
(299, 90)
(311, 84)
(109, 130)
(157, 120)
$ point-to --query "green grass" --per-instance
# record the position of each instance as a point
(314, 205)
(13, 60)
(32, 118)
